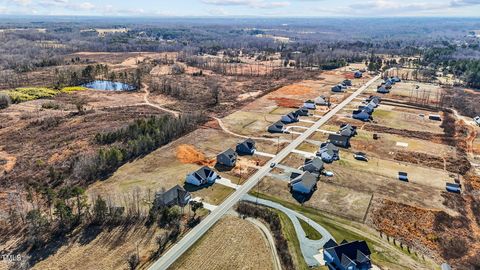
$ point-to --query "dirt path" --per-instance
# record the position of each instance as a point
(271, 242)
(145, 88)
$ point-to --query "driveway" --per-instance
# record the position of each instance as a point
(309, 247)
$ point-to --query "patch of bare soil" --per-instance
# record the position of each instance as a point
(435, 233)
(46, 141)
(453, 164)
(189, 154)
(287, 102)
(294, 89)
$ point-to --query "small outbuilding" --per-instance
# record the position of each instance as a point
(202, 176)
(246, 147)
(277, 127)
(403, 176)
(227, 158)
(435, 117)
(305, 183)
(454, 187)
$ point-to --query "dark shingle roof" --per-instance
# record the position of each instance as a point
(355, 252)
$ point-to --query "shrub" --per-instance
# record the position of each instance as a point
(73, 89)
(31, 93)
(5, 101)
(51, 105)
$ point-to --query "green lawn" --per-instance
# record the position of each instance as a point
(342, 229)
(310, 231)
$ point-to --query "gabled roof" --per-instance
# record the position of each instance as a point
(203, 173)
(171, 195)
(248, 143)
(229, 153)
(330, 243)
(338, 138)
(329, 146)
(355, 253)
(315, 164)
(276, 127)
(347, 130)
(306, 179)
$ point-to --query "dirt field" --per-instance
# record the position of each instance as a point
(232, 243)
(105, 250)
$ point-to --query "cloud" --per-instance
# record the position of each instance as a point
(248, 3)
(22, 2)
(463, 3)
(395, 7)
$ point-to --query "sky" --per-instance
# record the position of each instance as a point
(241, 8)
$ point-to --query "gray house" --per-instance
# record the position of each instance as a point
(339, 140)
(375, 100)
(278, 127)
(309, 104)
(227, 158)
(328, 152)
(314, 165)
(369, 108)
(289, 118)
(382, 90)
(305, 183)
(337, 89)
(202, 176)
(358, 74)
(246, 147)
(321, 101)
(348, 256)
(361, 115)
(302, 111)
(347, 130)
(174, 196)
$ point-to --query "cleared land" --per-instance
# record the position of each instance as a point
(233, 243)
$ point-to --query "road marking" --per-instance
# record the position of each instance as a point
(190, 238)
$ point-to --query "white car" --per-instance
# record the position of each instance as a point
(477, 120)
(328, 174)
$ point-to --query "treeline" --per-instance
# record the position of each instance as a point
(138, 139)
(463, 63)
(273, 220)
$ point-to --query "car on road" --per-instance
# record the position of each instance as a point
(273, 164)
(360, 156)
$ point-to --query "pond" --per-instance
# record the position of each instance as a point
(109, 85)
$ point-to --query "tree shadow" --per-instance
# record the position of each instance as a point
(193, 188)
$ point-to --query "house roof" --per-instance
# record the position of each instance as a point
(306, 179)
(329, 146)
(330, 243)
(230, 153)
(203, 173)
(338, 138)
(278, 126)
(171, 194)
(347, 130)
(355, 252)
(249, 143)
(316, 163)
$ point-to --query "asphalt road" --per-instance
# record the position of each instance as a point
(190, 238)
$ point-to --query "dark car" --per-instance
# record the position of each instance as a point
(360, 156)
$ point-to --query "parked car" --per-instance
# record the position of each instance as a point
(477, 120)
(328, 174)
(360, 156)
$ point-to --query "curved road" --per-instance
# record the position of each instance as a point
(309, 247)
(190, 238)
